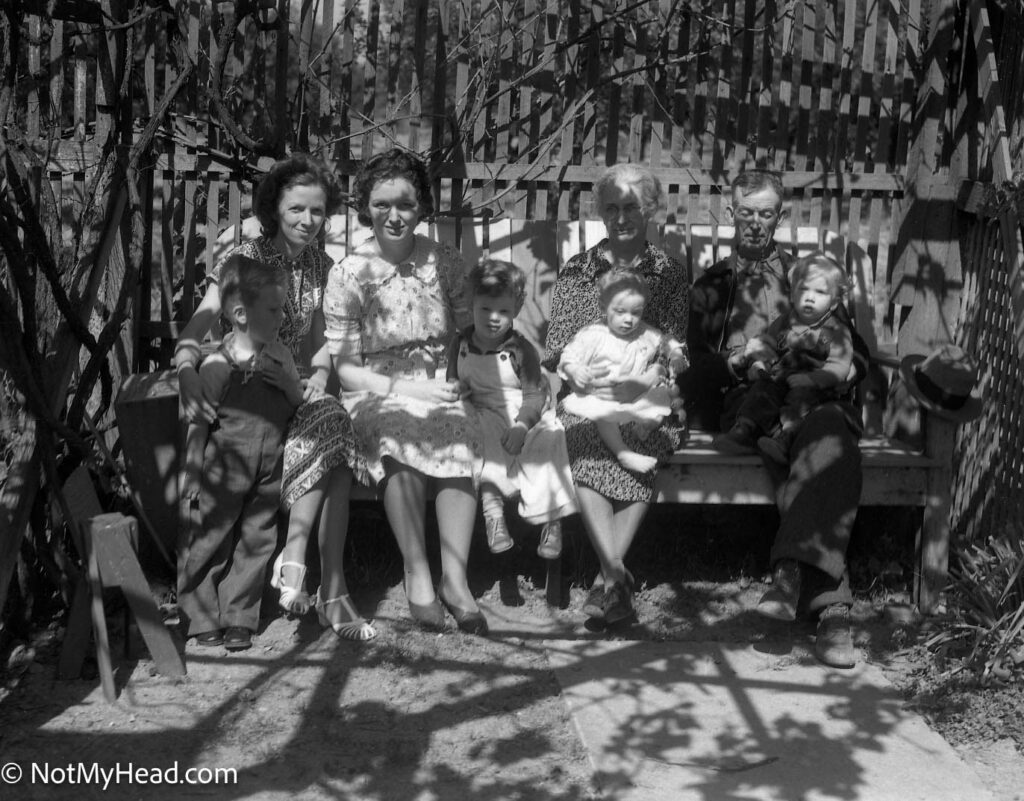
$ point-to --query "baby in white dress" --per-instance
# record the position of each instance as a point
(609, 353)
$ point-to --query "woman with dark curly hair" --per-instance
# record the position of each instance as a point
(391, 307)
(292, 202)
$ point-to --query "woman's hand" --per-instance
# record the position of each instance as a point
(584, 379)
(432, 391)
(196, 405)
(513, 438)
(629, 389)
(315, 386)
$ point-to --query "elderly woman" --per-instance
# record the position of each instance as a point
(391, 308)
(613, 500)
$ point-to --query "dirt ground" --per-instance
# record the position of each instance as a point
(414, 715)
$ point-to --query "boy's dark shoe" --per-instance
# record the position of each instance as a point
(779, 602)
(738, 440)
(777, 447)
(237, 638)
(834, 642)
(210, 639)
(618, 604)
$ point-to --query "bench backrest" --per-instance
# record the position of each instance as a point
(538, 247)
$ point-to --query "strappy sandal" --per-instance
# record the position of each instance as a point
(355, 629)
(294, 600)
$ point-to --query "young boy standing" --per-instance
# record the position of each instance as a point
(233, 467)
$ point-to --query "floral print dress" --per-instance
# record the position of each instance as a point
(320, 435)
(574, 305)
(398, 320)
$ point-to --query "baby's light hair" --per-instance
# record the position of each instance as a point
(819, 263)
(615, 281)
(493, 278)
(245, 278)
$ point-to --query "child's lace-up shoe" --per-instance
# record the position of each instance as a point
(550, 546)
(498, 538)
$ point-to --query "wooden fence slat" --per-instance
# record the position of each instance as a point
(637, 81)
(783, 97)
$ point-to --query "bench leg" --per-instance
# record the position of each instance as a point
(76, 635)
(113, 547)
(933, 548)
(933, 538)
(99, 622)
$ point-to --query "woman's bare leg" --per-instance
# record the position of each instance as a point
(612, 527)
(456, 515)
(405, 504)
(332, 533)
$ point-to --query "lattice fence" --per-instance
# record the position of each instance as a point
(988, 489)
(517, 104)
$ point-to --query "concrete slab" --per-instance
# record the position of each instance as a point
(717, 721)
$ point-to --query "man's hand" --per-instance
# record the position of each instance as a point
(513, 438)
(757, 371)
(756, 350)
(188, 483)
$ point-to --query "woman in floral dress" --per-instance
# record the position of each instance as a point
(613, 500)
(391, 307)
(292, 202)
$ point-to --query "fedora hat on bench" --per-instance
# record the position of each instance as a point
(945, 382)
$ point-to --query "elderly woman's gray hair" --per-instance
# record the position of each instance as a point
(651, 196)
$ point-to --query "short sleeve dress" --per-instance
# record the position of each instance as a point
(398, 320)
(574, 305)
(320, 435)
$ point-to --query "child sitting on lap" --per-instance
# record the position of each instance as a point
(524, 446)
(803, 360)
(233, 468)
(623, 346)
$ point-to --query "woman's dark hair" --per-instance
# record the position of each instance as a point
(395, 163)
(296, 170)
(493, 278)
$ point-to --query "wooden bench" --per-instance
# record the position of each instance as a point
(895, 473)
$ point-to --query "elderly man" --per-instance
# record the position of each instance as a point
(817, 496)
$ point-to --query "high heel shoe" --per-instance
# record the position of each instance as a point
(294, 600)
(355, 629)
(471, 621)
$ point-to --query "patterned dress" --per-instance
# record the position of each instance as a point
(320, 436)
(575, 304)
(398, 320)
